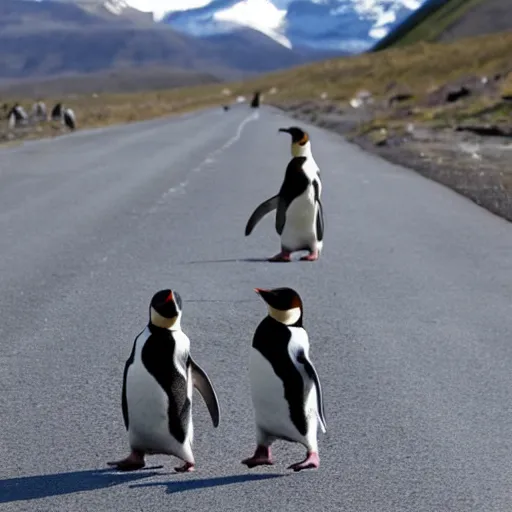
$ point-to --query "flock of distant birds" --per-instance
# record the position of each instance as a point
(17, 116)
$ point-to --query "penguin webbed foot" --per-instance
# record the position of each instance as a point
(261, 457)
(133, 462)
(312, 461)
(188, 467)
(282, 256)
(313, 256)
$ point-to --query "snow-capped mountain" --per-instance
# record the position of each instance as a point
(345, 25)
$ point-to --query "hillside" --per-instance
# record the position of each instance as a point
(39, 39)
(449, 20)
(104, 82)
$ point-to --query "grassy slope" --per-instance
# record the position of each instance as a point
(419, 67)
(428, 22)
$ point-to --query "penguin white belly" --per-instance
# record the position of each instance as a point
(272, 412)
(148, 427)
(300, 226)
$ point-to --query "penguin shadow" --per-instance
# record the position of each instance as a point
(231, 260)
(45, 486)
(295, 259)
(205, 483)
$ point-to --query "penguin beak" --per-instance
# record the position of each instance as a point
(264, 294)
(285, 130)
(170, 297)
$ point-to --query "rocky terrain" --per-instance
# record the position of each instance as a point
(467, 148)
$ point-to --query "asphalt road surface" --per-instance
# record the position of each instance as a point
(409, 313)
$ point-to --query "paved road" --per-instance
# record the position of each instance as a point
(409, 313)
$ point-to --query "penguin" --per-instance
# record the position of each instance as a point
(39, 111)
(299, 216)
(68, 118)
(255, 102)
(285, 387)
(158, 382)
(16, 116)
(56, 113)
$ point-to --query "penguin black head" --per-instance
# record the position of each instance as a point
(284, 305)
(165, 309)
(299, 136)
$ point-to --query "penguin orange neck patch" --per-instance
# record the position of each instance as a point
(304, 139)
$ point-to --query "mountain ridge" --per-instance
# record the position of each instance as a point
(53, 37)
(343, 25)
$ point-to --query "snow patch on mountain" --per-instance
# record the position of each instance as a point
(115, 6)
(350, 25)
(259, 15)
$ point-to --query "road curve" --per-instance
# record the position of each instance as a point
(409, 312)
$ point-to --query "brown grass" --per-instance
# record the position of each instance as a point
(420, 68)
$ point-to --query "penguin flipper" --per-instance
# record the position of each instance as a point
(263, 209)
(282, 205)
(320, 221)
(320, 211)
(124, 400)
(203, 384)
(310, 370)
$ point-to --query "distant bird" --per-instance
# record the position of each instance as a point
(39, 111)
(68, 118)
(255, 103)
(225, 107)
(159, 377)
(56, 114)
(285, 387)
(16, 116)
(299, 216)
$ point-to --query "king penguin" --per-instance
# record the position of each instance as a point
(299, 216)
(158, 381)
(285, 387)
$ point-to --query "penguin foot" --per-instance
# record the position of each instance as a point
(310, 257)
(261, 457)
(133, 462)
(312, 461)
(282, 256)
(188, 467)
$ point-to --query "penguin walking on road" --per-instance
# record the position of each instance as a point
(255, 102)
(299, 216)
(285, 388)
(158, 381)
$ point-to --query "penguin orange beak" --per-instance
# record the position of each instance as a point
(170, 297)
(261, 290)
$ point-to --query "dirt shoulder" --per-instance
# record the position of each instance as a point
(477, 166)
